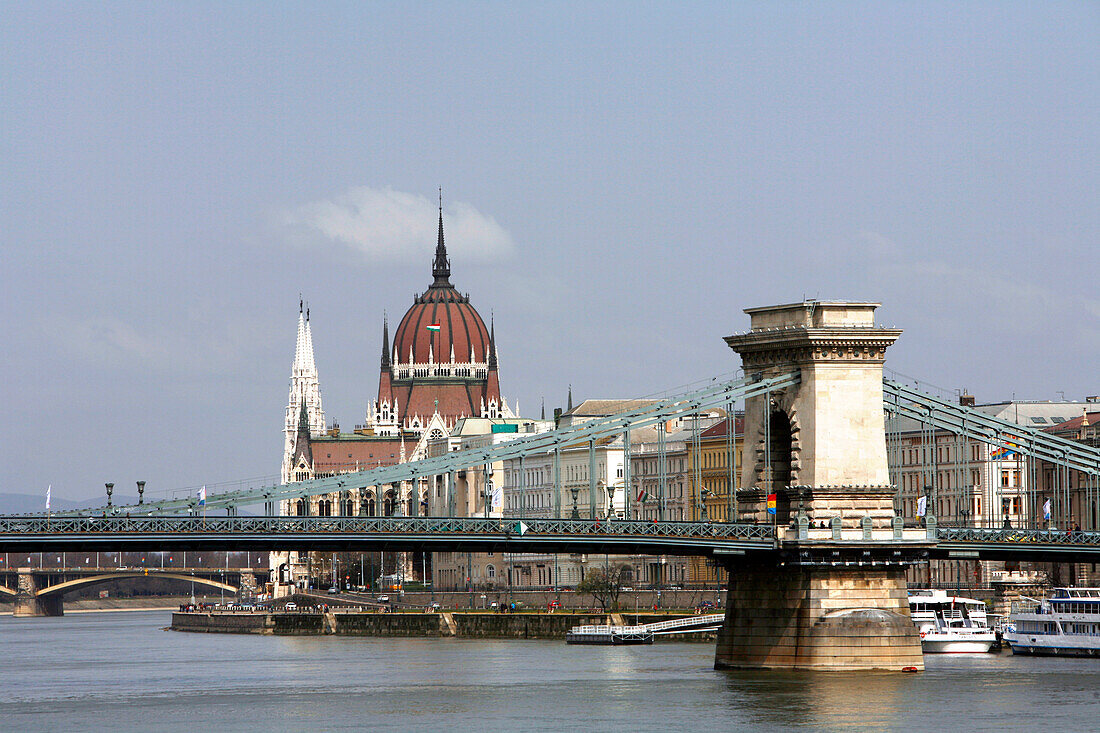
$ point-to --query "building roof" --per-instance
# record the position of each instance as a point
(720, 428)
(603, 408)
(1075, 425)
(461, 331)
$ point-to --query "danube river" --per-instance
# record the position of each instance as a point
(121, 671)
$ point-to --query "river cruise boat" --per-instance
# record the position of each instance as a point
(1066, 624)
(950, 624)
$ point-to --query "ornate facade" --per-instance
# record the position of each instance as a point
(442, 368)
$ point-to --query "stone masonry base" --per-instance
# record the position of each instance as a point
(820, 618)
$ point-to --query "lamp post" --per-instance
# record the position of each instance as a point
(141, 492)
(575, 514)
(703, 495)
(610, 501)
(110, 490)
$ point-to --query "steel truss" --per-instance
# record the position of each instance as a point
(719, 394)
(944, 415)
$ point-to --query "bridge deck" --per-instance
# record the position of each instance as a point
(443, 534)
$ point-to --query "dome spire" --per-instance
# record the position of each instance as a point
(441, 266)
(492, 359)
(385, 341)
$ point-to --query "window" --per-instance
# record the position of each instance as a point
(490, 571)
(1039, 420)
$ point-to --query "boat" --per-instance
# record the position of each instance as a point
(609, 635)
(1065, 624)
(950, 624)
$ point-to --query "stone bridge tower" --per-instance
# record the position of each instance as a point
(835, 597)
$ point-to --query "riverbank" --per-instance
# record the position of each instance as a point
(98, 605)
(458, 624)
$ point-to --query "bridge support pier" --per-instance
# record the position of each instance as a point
(781, 616)
(27, 604)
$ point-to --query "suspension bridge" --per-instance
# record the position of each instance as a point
(819, 583)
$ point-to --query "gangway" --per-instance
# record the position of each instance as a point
(686, 624)
(642, 633)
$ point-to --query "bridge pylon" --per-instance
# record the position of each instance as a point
(834, 597)
(27, 601)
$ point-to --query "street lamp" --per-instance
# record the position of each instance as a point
(610, 501)
(574, 490)
(110, 490)
(704, 494)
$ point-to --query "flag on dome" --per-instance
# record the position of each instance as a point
(433, 327)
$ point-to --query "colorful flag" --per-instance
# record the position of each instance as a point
(643, 495)
(771, 503)
(1046, 509)
(48, 489)
(520, 528)
(202, 496)
(922, 505)
(433, 327)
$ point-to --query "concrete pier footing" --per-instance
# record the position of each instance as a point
(28, 603)
(818, 618)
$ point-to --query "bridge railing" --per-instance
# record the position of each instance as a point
(176, 525)
(1006, 535)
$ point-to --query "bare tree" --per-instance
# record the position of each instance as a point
(604, 585)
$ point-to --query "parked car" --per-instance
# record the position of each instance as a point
(334, 589)
(292, 606)
(383, 599)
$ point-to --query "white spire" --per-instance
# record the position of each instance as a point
(305, 387)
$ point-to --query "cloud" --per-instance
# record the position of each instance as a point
(385, 225)
(197, 345)
(988, 291)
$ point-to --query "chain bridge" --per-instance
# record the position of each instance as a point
(816, 574)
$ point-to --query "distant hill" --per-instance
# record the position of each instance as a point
(11, 503)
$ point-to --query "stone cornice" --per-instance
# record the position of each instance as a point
(794, 345)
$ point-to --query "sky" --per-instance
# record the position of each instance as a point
(619, 181)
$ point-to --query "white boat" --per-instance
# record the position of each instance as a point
(1066, 624)
(950, 624)
(609, 635)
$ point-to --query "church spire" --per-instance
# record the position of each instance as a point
(385, 342)
(441, 266)
(305, 392)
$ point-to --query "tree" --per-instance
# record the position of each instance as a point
(604, 585)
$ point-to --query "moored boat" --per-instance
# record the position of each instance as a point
(1066, 624)
(609, 635)
(950, 624)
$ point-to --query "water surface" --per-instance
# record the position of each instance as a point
(122, 671)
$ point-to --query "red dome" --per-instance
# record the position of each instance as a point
(460, 326)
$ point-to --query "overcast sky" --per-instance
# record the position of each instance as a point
(620, 181)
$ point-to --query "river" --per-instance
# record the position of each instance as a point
(121, 671)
